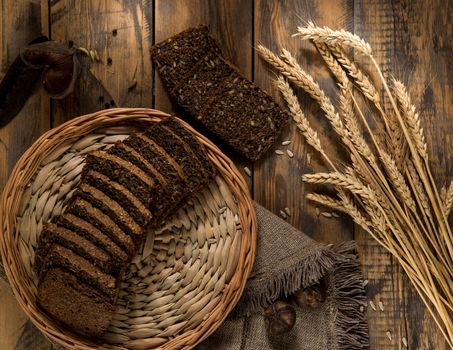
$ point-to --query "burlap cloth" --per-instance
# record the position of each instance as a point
(287, 260)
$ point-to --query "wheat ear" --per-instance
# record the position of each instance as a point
(334, 37)
(299, 117)
(398, 181)
(305, 81)
(342, 181)
(412, 118)
(360, 78)
(447, 199)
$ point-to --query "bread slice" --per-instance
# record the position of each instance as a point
(176, 56)
(59, 256)
(86, 211)
(164, 164)
(91, 233)
(125, 173)
(111, 208)
(204, 81)
(244, 117)
(139, 212)
(74, 303)
(129, 154)
(52, 233)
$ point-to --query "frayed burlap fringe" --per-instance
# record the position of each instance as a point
(340, 264)
(303, 274)
(348, 296)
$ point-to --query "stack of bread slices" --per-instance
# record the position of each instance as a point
(82, 254)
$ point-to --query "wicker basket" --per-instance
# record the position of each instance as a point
(189, 274)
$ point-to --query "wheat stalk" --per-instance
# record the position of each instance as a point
(302, 79)
(334, 38)
(343, 181)
(447, 199)
(299, 117)
(395, 197)
(360, 78)
(398, 181)
(412, 118)
(396, 142)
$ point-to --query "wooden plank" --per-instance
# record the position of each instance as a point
(121, 32)
(407, 39)
(21, 22)
(12, 318)
(230, 22)
(277, 179)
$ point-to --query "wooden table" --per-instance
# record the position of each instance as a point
(411, 39)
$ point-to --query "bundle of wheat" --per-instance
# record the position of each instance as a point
(387, 188)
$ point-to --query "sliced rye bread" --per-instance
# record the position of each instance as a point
(59, 256)
(139, 212)
(86, 211)
(190, 143)
(52, 233)
(163, 163)
(74, 303)
(123, 172)
(129, 154)
(176, 56)
(244, 117)
(90, 232)
(204, 81)
(198, 149)
(111, 208)
(235, 110)
(180, 152)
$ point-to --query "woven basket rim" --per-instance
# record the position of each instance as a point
(26, 167)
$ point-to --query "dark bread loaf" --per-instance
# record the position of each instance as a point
(212, 91)
(84, 229)
(86, 211)
(113, 210)
(85, 248)
(137, 182)
(117, 192)
(176, 56)
(59, 256)
(74, 303)
(244, 117)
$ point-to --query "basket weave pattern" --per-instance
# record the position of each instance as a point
(190, 272)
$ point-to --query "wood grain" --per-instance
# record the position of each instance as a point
(278, 182)
(22, 21)
(230, 22)
(121, 32)
(412, 41)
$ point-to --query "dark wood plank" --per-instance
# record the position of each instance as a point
(277, 179)
(121, 32)
(231, 24)
(21, 22)
(412, 40)
(12, 318)
(2, 273)
(31, 338)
